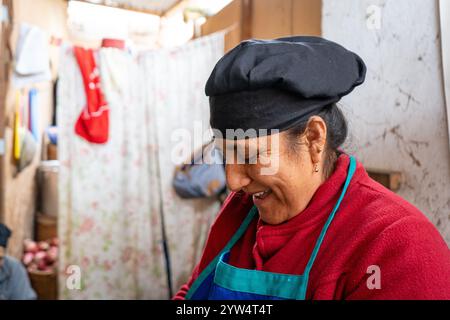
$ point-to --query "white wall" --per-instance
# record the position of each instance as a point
(397, 118)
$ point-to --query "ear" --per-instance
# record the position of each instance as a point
(316, 138)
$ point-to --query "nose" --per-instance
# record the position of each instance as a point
(237, 177)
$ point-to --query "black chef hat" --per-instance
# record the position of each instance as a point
(276, 84)
(5, 233)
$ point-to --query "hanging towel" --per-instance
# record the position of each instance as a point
(32, 58)
(93, 122)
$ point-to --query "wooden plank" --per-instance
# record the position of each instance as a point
(246, 19)
(229, 18)
(178, 5)
(390, 179)
(307, 17)
(271, 19)
(265, 19)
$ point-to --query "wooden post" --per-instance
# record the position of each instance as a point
(5, 62)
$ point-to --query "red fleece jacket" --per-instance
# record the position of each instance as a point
(373, 227)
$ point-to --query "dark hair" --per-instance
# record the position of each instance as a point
(337, 131)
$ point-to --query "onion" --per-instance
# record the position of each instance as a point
(39, 256)
(44, 246)
(52, 254)
(32, 267)
(42, 265)
(30, 246)
(54, 242)
(28, 258)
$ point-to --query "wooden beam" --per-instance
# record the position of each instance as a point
(127, 7)
(271, 19)
(176, 5)
(307, 17)
(390, 179)
(246, 19)
(228, 19)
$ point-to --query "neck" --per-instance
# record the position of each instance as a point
(329, 164)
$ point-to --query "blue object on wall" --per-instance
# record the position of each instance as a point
(34, 113)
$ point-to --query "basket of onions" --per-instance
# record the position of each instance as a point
(40, 259)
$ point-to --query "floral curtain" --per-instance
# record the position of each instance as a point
(176, 96)
(115, 197)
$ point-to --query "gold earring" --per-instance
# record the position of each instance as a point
(316, 168)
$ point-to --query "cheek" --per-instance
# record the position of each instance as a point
(290, 175)
(288, 171)
(277, 181)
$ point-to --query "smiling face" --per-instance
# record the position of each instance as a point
(281, 180)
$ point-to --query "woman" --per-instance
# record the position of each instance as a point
(14, 281)
(304, 220)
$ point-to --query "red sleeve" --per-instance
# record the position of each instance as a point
(230, 217)
(413, 260)
(181, 294)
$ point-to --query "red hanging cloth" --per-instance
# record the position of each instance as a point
(93, 122)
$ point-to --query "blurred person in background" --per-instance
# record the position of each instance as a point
(14, 281)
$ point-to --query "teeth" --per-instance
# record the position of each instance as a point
(260, 194)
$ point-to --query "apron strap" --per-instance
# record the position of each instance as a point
(351, 171)
(212, 265)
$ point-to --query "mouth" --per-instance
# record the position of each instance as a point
(261, 195)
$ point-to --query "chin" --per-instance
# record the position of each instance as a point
(271, 218)
(269, 210)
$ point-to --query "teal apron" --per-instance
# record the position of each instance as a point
(222, 281)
